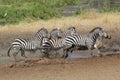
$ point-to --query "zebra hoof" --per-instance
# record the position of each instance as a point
(66, 56)
(24, 56)
(46, 56)
(99, 55)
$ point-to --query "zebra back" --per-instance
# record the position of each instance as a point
(86, 39)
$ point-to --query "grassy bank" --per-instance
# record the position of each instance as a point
(15, 11)
(87, 20)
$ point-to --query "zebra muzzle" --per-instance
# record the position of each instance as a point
(108, 37)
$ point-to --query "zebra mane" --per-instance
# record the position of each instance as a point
(56, 30)
(95, 29)
(71, 28)
(42, 29)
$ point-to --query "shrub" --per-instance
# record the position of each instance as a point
(19, 10)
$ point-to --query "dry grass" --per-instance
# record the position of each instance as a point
(88, 20)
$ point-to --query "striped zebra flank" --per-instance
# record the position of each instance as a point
(88, 40)
(56, 43)
(31, 44)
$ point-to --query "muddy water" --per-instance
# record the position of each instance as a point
(4, 59)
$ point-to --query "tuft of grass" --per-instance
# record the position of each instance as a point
(15, 11)
(81, 22)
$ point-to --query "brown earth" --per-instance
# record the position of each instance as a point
(97, 68)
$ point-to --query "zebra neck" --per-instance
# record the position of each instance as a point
(94, 36)
(68, 33)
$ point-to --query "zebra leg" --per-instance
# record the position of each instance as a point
(14, 55)
(99, 53)
(66, 50)
(90, 50)
(65, 54)
(23, 53)
(56, 54)
(71, 49)
(45, 53)
(89, 46)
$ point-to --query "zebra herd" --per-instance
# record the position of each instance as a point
(57, 39)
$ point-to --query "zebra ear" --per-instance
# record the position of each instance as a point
(49, 36)
(58, 28)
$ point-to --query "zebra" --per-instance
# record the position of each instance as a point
(31, 44)
(99, 44)
(56, 33)
(55, 44)
(87, 40)
(50, 44)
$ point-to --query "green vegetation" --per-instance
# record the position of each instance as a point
(14, 11)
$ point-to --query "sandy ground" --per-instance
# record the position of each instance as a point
(97, 68)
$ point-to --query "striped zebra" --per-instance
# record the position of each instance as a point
(31, 44)
(50, 44)
(56, 43)
(99, 44)
(87, 40)
(56, 33)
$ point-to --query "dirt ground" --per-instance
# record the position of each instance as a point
(97, 68)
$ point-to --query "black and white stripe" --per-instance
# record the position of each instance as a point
(51, 44)
(40, 34)
(58, 33)
(55, 43)
(31, 44)
(87, 40)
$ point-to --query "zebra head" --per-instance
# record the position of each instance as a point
(104, 34)
(70, 31)
(56, 33)
(46, 38)
(101, 33)
(43, 31)
(45, 45)
(40, 33)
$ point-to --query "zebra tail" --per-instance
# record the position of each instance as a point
(8, 53)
